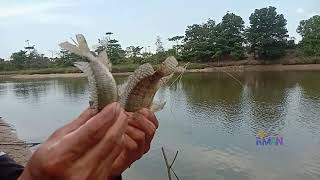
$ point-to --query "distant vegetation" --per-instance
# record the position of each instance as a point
(264, 40)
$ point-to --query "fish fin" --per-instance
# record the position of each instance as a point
(181, 69)
(143, 71)
(82, 44)
(71, 48)
(169, 66)
(84, 48)
(103, 57)
(157, 106)
(86, 69)
(164, 80)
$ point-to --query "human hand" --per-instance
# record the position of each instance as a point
(137, 141)
(86, 148)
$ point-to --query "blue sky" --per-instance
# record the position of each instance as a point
(46, 23)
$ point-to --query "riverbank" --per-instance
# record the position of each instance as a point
(11, 145)
(240, 68)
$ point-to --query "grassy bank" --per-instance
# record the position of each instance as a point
(119, 68)
(292, 59)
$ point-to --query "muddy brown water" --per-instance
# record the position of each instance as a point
(209, 117)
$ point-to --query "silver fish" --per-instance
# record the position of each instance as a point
(102, 86)
(143, 84)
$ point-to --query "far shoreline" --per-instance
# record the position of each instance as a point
(239, 68)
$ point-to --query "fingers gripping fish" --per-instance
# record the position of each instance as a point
(139, 90)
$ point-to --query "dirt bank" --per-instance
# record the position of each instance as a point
(11, 145)
(45, 76)
(240, 68)
(248, 68)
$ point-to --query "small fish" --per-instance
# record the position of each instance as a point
(139, 90)
(143, 84)
(102, 86)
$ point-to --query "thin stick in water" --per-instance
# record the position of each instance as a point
(167, 163)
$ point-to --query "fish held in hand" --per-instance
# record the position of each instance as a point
(139, 90)
(143, 84)
(102, 86)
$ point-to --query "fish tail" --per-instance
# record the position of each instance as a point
(83, 46)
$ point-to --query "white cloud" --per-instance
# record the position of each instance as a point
(300, 11)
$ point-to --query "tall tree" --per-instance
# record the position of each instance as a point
(267, 34)
(133, 51)
(200, 41)
(177, 47)
(133, 54)
(19, 59)
(113, 48)
(310, 32)
(231, 38)
(159, 45)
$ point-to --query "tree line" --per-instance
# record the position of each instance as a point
(266, 38)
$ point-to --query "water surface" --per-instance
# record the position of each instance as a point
(210, 118)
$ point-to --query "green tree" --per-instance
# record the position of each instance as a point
(267, 34)
(310, 32)
(66, 59)
(159, 45)
(133, 53)
(33, 60)
(231, 39)
(200, 41)
(177, 47)
(2, 64)
(113, 48)
(19, 59)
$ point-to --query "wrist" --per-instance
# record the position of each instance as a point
(25, 175)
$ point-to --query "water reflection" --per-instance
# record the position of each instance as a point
(3, 89)
(73, 88)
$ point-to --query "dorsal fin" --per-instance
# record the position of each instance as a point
(103, 57)
(157, 106)
(86, 69)
(140, 73)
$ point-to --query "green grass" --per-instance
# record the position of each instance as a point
(115, 68)
(43, 71)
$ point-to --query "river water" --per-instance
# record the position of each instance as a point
(210, 118)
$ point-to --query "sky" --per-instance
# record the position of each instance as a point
(47, 23)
